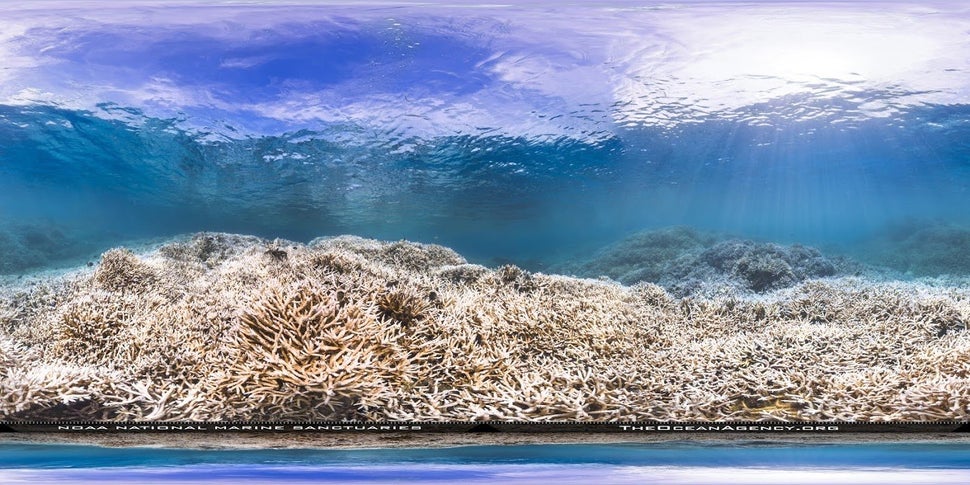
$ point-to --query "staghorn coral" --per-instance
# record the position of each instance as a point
(400, 254)
(61, 390)
(462, 273)
(405, 305)
(337, 262)
(120, 270)
(348, 328)
(92, 329)
(206, 247)
(763, 272)
(517, 278)
(306, 350)
(10, 356)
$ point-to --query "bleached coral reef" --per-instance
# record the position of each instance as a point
(689, 263)
(225, 327)
(922, 248)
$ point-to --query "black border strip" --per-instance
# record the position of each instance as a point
(654, 427)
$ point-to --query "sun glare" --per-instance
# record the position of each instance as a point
(796, 51)
(793, 62)
(725, 62)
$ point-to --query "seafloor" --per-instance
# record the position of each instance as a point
(228, 327)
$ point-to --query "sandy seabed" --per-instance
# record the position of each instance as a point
(227, 327)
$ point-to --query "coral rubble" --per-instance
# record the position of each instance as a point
(224, 327)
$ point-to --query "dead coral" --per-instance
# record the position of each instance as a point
(92, 329)
(405, 305)
(60, 391)
(688, 263)
(400, 254)
(277, 251)
(764, 266)
(463, 273)
(652, 294)
(336, 261)
(207, 247)
(517, 278)
(418, 256)
(10, 356)
(120, 270)
(347, 328)
(302, 350)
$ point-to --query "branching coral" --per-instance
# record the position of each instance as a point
(303, 350)
(338, 262)
(405, 305)
(347, 328)
(57, 391)
(9, 356)
(516, 278)
(400, 254)
(121, 270)
(92, 329)
(206, 247)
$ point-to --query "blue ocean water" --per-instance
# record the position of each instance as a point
(672, 462)
(529, 134)
(532, 134)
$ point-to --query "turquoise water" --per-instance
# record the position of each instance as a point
(674, 462)
(533, 134)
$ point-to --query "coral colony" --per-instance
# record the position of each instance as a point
(671, 325)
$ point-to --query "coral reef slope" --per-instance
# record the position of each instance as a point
(690, 263)
(227, 327)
